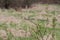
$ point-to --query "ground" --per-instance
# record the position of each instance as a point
(17, 25)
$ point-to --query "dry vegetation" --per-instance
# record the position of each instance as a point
(41, 22)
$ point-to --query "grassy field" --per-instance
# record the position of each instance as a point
(30, 24)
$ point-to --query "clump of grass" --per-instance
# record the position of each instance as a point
(10, 36)
(3, 26)
(13, 25)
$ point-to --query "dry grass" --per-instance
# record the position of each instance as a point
(19, 27)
